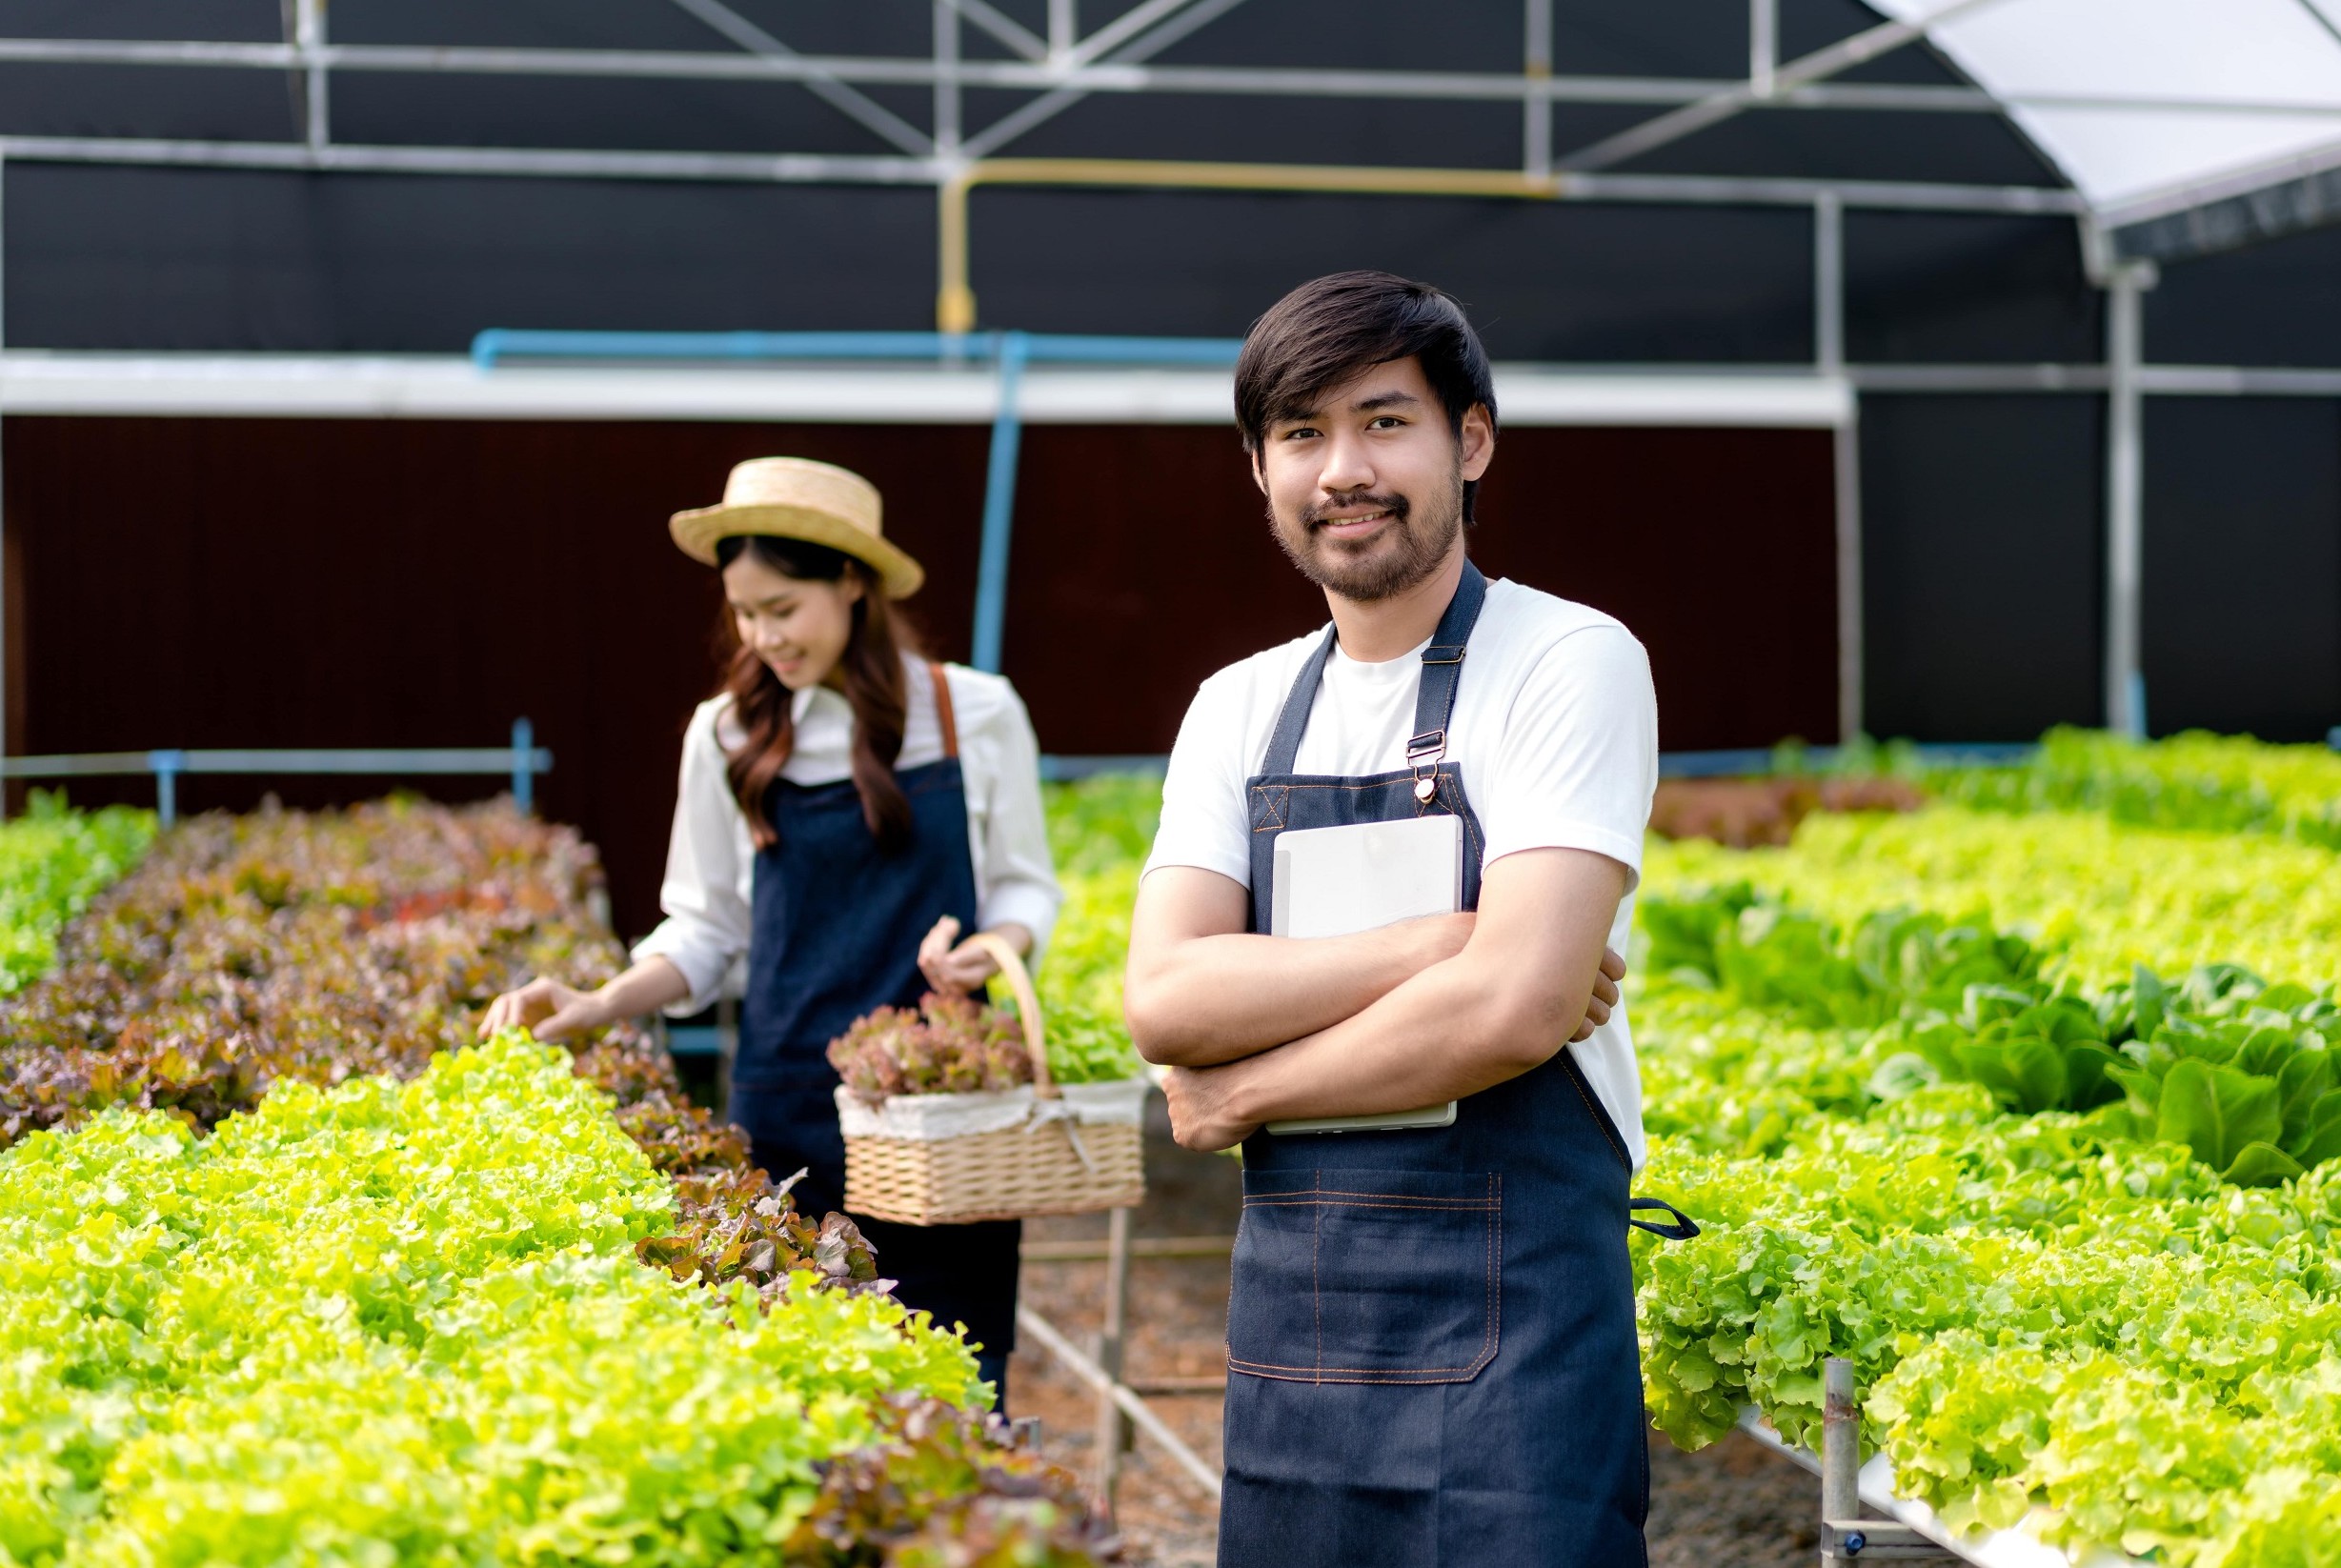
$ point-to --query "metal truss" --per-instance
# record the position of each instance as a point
(1060, 69)
(1063, 65)
(766, 59)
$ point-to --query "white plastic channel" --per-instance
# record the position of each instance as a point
(1985, 1548)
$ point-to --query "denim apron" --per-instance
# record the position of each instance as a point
(837, 923)
(1431, 1346)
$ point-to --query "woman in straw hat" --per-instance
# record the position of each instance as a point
(846, 812)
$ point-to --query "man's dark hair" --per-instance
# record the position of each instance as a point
(1330, 329)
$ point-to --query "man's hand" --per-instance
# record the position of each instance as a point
(1200, 1118)
(545, 1009)
(1604, 995)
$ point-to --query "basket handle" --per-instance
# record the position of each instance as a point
(1027, 1007)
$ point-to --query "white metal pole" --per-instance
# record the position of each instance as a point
(2126, 285)
(1828, 283)
(3, 543)
(946, 80)
(1064, 30)
(1841, 1455)
(1828, 352)
(1851, 719)
(1112, 1428)
(1763, 45)
(1536, 104)
(309, 35)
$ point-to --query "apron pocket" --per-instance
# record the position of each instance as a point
(1367, 1276)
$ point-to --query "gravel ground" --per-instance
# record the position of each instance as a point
(1733, 1505)
(1737, 1503)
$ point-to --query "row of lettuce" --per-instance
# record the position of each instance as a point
(53, 862)
(2028, 1103)
(291, 1273)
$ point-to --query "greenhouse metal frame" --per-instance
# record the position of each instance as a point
(2120, 241)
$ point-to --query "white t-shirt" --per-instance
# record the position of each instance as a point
(1555, 735)
(708, 896)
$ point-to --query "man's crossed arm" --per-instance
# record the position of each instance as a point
(1260, 1029)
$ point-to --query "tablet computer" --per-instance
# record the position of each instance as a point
(1334, 882)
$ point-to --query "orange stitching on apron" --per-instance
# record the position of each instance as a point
(1492, 1340)
(1308, 1375)
(1366, 1200)
(1259, 792)
(1354, 1192)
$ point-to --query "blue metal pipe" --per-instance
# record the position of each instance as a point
(523, 765)
(1074, 350)
(1751, 763)
(526, 759)
(496, 344)
(999, 508)
(1746, 762)
(167, 765)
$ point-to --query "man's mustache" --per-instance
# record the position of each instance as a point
(1316, 516)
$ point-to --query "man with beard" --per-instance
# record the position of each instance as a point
(1431, 1347)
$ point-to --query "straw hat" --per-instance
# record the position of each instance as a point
(798, 498)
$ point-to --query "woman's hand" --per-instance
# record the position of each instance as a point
(1605, 995)
(552, 1010)
(548, 1009)
(954, 967)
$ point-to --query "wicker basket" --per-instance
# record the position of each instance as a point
(1054, 1160)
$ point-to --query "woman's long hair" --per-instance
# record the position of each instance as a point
(872, 667)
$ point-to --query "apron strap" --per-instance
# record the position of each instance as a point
(1684, 1227)
(944, 718)
(1443, 671)
(1284, 745)
(1442, 663)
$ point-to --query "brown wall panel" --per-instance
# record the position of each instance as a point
(322, 582)
(1716, 547)
(1143, 563)
(233, 582)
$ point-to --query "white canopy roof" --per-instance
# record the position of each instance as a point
(2152, 107)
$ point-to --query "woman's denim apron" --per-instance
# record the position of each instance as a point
(1431, 1348)
(836, 935)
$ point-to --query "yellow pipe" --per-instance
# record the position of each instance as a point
(955, 301)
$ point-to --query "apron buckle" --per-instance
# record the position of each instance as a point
(1424, 755)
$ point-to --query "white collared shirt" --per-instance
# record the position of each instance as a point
(711, 860)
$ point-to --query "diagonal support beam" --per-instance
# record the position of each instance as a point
(1017, 37)
(853, 103)
(1122, 28)
(1842, 56)
(1049, 105)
